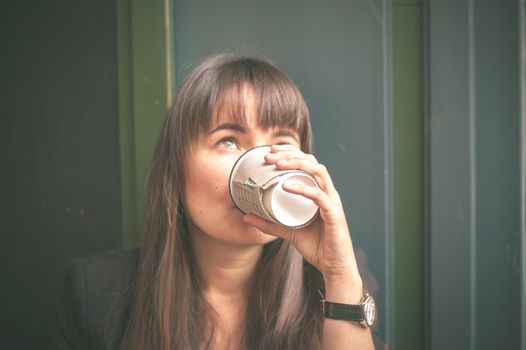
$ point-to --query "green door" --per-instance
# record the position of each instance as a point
(338, 52)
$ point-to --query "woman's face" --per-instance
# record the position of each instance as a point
(208, 206)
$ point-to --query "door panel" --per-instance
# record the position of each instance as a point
(336, 52)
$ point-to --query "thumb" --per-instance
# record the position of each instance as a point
(270, 228)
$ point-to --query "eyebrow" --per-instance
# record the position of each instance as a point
(239, 128)
(229, 126)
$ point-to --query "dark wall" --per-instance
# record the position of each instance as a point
(59, 145)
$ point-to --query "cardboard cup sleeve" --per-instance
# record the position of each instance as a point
(256, 188)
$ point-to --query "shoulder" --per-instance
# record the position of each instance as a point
(103, 273)
(97, 292)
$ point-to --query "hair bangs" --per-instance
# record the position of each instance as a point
(232, 104)
(249, 83)
(279, 101)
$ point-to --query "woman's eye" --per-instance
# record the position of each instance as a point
(228, 142)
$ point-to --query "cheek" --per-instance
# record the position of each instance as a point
(218, 185)
(208, 183)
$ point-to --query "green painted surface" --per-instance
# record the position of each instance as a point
(399, 3)
(408, 177)
(142, 101)
(126, 130)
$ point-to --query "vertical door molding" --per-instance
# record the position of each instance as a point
(450, 186)
(408, 175)
(522, 11)
(145, 84)
(388, 141)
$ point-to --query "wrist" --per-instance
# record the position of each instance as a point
(347, 290)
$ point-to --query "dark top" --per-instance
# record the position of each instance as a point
(97, 295)
(95, 301)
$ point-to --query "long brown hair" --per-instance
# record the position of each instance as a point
(169, 310)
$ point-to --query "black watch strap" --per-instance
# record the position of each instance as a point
(344, 312)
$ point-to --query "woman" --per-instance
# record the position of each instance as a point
(209, 277)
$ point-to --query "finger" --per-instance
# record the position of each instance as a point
(330, 211)
(318, 170)
(317, 195)
(277, 148)
(284, 153)
(274, 157)
(282, 156)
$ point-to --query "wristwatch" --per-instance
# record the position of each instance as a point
(365, 312)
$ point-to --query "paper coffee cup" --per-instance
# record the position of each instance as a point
(256, 188)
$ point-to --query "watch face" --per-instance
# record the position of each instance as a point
(369, 309)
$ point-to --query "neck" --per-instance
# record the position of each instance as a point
(226, 270)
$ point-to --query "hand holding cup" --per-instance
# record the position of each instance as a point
(325, 242)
